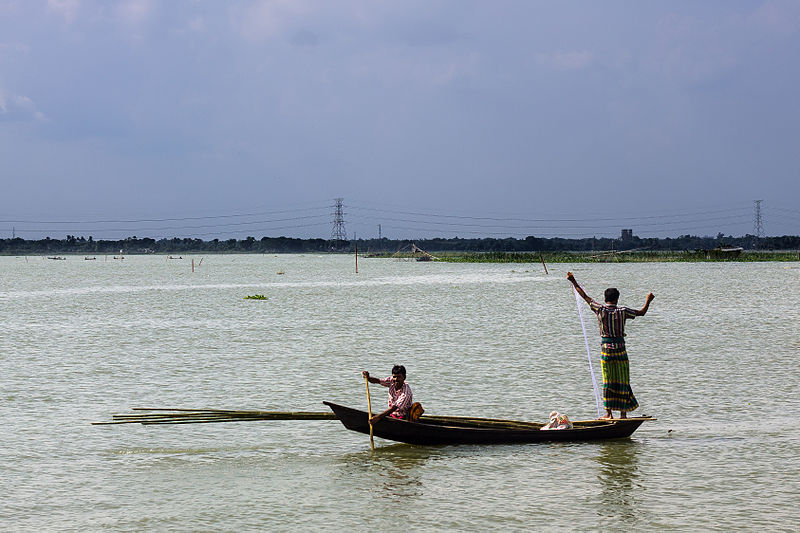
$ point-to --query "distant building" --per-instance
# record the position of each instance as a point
(627, 235)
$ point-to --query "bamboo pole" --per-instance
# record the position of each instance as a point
(272, 415)
(221, 411)
(545, 266)
(369, 414)
(189, 416)
(157, 416)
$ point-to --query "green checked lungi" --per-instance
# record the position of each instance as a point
(617, 392)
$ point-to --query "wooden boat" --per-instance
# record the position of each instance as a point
(465, 430)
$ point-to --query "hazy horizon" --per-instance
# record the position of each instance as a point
(431, 119)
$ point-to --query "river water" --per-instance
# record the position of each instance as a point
(715, 360)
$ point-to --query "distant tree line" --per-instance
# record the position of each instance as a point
(135, 245)
(146, 245)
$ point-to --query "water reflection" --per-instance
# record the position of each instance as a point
(394, 470)
(618, 475)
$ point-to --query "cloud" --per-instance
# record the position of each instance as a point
(565, 60)
(135, 11)
(9, 49)
(65, 8)
(305, 38)
(778, 16)
(197, 24)
(18, 108)
(266, 19)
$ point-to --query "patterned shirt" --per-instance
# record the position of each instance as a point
(401, 398)
(612, 318)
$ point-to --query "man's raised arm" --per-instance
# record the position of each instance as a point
(578, 288)
(643, 310)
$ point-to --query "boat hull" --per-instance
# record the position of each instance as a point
(456, 430)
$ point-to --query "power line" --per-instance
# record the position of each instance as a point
(560, 226)
(420, 221)
(142, 220)
(517, 219)
(105, 235)
(165, 228)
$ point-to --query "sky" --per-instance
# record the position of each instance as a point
(450, 118)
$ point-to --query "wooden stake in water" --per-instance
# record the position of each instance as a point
(545, 266)
(369, 412)
(192, 265)
(356, 258)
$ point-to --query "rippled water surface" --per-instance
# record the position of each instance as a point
(715, 360)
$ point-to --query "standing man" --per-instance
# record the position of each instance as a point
(617, 392)
(400, 397)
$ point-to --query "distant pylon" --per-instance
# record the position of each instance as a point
(379, 232)
(338, 232)
(758, 224)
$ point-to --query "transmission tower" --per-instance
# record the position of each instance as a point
(338, 232)
(758, 225)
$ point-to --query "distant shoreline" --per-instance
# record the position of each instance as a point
(685, 248)
(698, 256)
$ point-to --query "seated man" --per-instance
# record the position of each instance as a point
(400, 398)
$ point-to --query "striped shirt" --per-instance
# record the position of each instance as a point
(612, 318)
(401, 398)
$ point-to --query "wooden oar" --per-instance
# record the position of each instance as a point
(369, 413)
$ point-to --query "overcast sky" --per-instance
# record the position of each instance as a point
(503, 118)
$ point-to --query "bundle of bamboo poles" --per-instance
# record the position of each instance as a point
(148, 416)
(154, 415)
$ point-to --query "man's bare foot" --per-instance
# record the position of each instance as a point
(606, 417)
(623, 414)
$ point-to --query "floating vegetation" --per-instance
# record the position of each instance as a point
(256, 297)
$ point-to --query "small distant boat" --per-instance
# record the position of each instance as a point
(179, 257)
(58, 258)
(90, 259)
(724, 252)
(464, 430)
